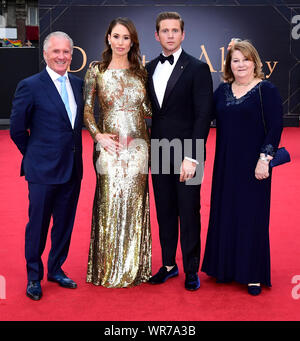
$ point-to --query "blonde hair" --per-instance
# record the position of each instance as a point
(250, 52)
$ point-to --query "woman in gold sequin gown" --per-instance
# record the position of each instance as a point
(120, 246)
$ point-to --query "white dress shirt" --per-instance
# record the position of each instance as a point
(161, 77)
(73, 106)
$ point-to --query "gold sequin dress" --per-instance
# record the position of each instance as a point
(120, 246)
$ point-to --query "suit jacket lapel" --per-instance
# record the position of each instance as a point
(52, 93)
(77, 96)
(152, 67)
(178, 69)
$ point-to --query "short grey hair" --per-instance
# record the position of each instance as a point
(60, 35)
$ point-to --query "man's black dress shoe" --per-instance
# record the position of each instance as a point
(192, 282)
(34, 290)
(63, 281)
(163, 274)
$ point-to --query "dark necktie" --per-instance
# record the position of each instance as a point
(170, 59)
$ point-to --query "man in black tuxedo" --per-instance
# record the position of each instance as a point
(180, 90)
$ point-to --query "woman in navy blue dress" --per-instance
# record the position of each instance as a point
(237, 245)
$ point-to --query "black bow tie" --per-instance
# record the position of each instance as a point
(170, 59)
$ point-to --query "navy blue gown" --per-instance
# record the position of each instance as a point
(237, 246)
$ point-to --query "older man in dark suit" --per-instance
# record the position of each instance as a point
(180, 89)
(45, 124)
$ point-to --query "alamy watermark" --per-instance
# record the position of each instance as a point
(296, 29)
(134, 158)
(296, 289)
(2, 288)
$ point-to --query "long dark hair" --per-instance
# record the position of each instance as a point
(134, 55)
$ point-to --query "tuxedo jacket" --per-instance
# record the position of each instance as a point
(42, 131)
(187, 104)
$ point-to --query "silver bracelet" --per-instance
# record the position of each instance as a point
(264, 158)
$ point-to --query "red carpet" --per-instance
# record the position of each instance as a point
(168, 302)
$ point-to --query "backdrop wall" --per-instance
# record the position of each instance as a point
(272, 26)
(15, 65)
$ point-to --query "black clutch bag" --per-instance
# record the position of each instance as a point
(282, 155)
